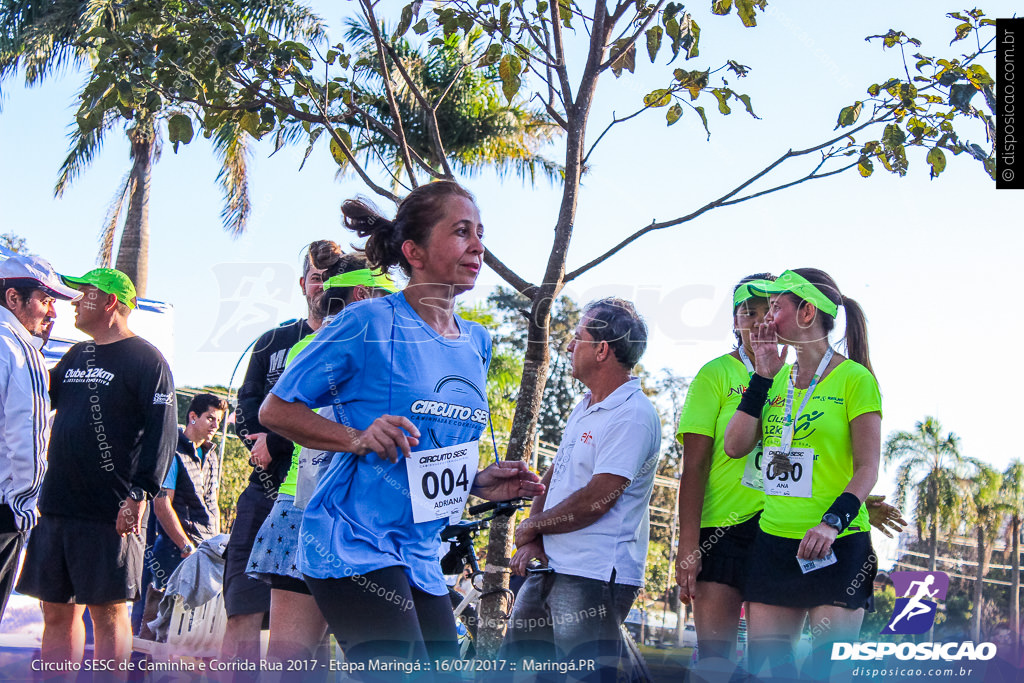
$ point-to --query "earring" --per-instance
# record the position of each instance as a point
(193, 421)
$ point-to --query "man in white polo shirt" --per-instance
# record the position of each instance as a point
(591, 528)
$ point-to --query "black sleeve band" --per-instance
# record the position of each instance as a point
(755, 396)
(846, 507)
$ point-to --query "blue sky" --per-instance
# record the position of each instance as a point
(931, 262)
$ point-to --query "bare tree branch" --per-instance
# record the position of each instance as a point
(522, 286)
(386, 77)
(435, 134)
(609, 127)
(560, 69)
(350, 156)
(543, 45)
(727, 199)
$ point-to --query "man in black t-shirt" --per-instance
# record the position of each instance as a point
(112, 441)
(247, 600)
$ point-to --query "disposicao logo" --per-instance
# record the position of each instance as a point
(915, 611)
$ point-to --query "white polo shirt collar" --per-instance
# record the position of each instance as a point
(614, 399)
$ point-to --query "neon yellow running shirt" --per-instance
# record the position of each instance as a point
(844, 394)
(287, 486)
(710, 403)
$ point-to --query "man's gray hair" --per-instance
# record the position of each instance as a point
(616, 321)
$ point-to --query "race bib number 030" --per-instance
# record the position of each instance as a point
(797, 483)
(440, 480)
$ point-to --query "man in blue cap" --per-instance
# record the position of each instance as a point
(28, 288)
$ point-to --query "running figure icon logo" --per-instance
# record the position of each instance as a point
(916, 601)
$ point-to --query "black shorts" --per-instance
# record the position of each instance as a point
(775, 577)
(242, 593)
(725, 552)
(287, 583)
(81, 561)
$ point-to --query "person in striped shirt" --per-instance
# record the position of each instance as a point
(27, 294)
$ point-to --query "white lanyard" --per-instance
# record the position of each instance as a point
(788, 419)
(746, 359)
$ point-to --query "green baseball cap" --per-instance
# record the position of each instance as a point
(364, 277)
(107, 280)
(795, 283)
(749, 290)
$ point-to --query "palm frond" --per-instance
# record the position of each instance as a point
(105, 257)
(84, 148)
(287, 18)
(231, 145)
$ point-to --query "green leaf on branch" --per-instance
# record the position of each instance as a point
(704, 120)
(626, 59)
(960, 96)
(849, 115)
(179, 129)
(509, 69)
(403, 23)
(693, 81)
(653, 42)
(336, 149)
(962, 31)
(492, 55)
(874, 89)
(721, 7)
(893, 136)
(722, 94)
(745, 8)
(977, 75)
(865, 166)
(674, 113)
(421, 27)
(658, 98)
(938, 161)
(745, 99)
(250, 123)
(689, 37)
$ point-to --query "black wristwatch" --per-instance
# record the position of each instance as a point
(136, 494)
(832, 519)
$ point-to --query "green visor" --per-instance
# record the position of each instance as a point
(750, 289)
(364, 277)
(796, 284)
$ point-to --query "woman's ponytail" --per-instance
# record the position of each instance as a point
(416, 216)
(857, 334)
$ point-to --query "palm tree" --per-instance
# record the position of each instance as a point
(1012, 494)
(480, 130)
(932, 467)
(43, 38)
(984, 512)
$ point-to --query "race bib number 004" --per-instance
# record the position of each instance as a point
(797, 483)
(440, 480)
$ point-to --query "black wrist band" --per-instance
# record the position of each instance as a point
(755, 396)
(846, 507)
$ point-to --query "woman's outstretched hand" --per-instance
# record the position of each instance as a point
(507, 479)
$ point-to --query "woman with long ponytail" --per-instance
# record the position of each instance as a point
(820, 424)
(405, 378)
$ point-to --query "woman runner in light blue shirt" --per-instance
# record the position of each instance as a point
(406, 377)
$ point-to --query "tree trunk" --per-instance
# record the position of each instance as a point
(133, 252)
(1015, 584)
(933, 541)
(524, 424)
(979, 587)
